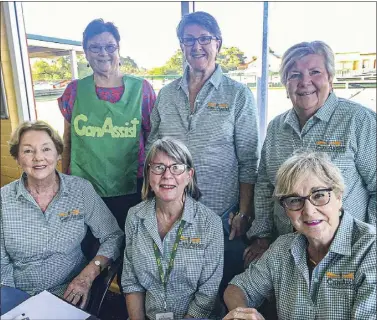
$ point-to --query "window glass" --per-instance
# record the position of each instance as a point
(148, 41)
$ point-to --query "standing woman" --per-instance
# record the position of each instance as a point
(318, 121)
(107, 122)
(216, 117)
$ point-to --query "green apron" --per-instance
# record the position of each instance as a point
(105, 137)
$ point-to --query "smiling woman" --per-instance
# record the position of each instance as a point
(104, 108)
(330, 258)
(44, 218)
(170, 230)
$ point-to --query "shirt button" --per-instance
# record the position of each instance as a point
(315, 280)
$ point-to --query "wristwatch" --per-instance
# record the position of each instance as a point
(244, 216)
(98, 264)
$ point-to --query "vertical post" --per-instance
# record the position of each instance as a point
(74, 69)
(185, 9)
(262, 83)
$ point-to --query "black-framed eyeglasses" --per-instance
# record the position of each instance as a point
(203, 40)
(109, 48)
(317, 198)
(175, 168)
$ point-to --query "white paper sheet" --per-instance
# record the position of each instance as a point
(46, 306)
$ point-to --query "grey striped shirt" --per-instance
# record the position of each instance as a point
(221, 134)
(342, 286)
(343, 129)
(41, 251)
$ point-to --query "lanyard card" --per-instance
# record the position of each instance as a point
(165, 316)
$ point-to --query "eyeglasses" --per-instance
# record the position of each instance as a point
(109, 48)
(317, 198)
(175, 169)
(203, 40)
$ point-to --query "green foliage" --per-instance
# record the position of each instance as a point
(230, 58)
(82, 67)
(172, 67)
(128, 65)
(55, 70)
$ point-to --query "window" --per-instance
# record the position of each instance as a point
(3, 98)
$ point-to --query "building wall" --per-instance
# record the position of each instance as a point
(9, 168)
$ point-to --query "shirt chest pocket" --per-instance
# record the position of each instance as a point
(69, 232)
(216, 126)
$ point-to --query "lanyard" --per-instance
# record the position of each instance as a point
(164, 278)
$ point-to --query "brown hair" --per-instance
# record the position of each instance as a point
(14, 142)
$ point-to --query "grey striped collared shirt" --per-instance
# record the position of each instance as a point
(222, 134)
(343, 129)
(342, 285)
(41, 251)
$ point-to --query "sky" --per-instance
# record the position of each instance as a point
(147, 29)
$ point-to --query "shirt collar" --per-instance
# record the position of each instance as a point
(341, 244)
(215, 78)
(324, 113)
(150, 210)
(21, 190)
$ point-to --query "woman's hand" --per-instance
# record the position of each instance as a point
(255, 250)
(244, 313)
(78, 290)
(238, 225)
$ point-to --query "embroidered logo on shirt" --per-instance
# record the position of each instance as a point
(340, 281)
(325, 146)
(70, 215)
(218, 106)
(191, 243)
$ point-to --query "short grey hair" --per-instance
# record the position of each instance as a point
(202, 19)
(303, 163)
(176, 150)
(303, 49)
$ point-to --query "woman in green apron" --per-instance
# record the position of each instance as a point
(107, 122)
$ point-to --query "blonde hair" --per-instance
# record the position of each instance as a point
(176, 150)
(14, 142)
(303, 49)
(303, 163)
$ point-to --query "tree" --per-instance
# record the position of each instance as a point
(173, 66)
(230, 58)
(47, 70)
(128, 65)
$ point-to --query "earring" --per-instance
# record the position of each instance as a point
(88, 65)
(120, 64)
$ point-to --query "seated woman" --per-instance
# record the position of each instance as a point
(44, 218)
(173, 261)
(327, 268)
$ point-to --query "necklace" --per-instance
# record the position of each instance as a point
(312, 261)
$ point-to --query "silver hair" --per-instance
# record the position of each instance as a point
(303, 49)
(303, 163)
(176, 150)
